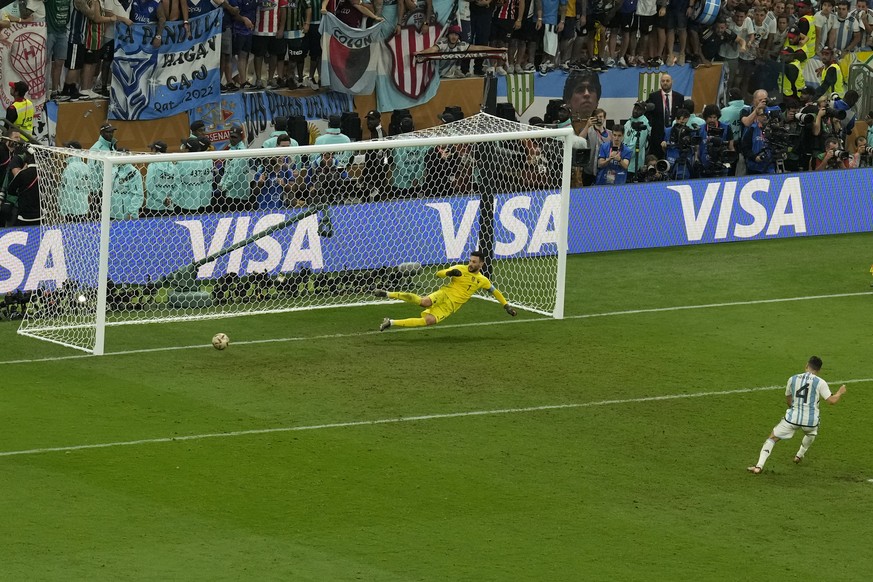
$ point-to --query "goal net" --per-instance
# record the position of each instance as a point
(146, 238)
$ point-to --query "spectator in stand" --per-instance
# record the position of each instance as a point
(450, 43)
(596, 134)
(194, 191)
(107, 51)
(846, 34)
(779, 38)
(636, 136)
(241, 40)
(150, 12)
(231, 17)
(678, 12)
(508, 16)
(712, 39)
(758, 74)
(269, 41)
(480, 32)
(353, 12)
(526, 39)
(824, 21)
(647, 11)
(161, 182)
(57, 20)
(87, 30)
(613, 159)
(554, 17)
(742, 27)
(296, 28)
(566, 39)
(864, 18)
(312, 46)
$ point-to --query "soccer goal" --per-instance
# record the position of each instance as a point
(150, 238)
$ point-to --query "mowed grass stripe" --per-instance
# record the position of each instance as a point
(449, 326)
(395, 420)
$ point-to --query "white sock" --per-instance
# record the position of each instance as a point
(805, 444)
(765, 452)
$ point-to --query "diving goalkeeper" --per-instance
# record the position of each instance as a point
(465, 281)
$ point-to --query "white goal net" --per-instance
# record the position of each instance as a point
(145, 238)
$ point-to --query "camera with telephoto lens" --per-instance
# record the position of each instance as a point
(653, 172)
(840, 155)
(684, 138)
(835, 113)
(638, 125)
(718, 157)
(645, 106)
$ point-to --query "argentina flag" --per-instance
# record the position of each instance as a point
(179, 75)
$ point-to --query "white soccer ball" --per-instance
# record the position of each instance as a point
(220, 341)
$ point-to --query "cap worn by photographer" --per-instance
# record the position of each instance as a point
(73, 145)
(159, 147)
(236, 131)
(107, 127)
(373, 114)
(446, 117)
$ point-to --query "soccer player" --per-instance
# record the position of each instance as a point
(801, 395)
(465, 281)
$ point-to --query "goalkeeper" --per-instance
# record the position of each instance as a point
(465, 281)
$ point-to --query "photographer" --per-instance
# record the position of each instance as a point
(863, 153)
(636, 134)
(680, 145)
(825, 125)
(832, 158)
(596, 134)
(23, 192)
(756, 148)
(613, 159)
(716, 144)
(653, 171)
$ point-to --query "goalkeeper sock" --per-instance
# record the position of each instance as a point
(411, 298)
(765, 452)
(805, 444)
(411, 322)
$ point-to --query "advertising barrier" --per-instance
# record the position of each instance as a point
(601, 219)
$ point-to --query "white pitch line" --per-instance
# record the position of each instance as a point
(396, 420)
(446, 326)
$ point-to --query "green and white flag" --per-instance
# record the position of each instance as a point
(649, 83)
(520, 90)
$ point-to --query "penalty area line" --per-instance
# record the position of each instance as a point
(396, 420)
(445, 326)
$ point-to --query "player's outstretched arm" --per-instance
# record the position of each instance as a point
(502, 300)
(835, 397)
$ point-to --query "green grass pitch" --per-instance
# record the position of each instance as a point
(607, 485)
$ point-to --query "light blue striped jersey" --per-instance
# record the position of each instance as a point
(805, 390)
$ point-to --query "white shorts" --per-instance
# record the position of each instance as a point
(785, 430)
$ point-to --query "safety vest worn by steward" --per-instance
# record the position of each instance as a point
(785, 85)
(809, 45)
(839, 86)
(24, 109)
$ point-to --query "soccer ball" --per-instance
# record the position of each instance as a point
(220, 341)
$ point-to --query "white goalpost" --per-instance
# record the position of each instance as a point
(150, 238)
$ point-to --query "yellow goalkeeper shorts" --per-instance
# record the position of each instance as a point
(442, 306)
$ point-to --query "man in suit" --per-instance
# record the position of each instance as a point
(665, 101)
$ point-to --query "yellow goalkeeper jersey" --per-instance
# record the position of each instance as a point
(460, 289)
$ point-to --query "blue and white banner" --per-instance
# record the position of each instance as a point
(255, 111)
(178, 75)
(445, 230)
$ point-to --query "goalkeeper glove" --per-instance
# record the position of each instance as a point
(454, 273)
(508, 308)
